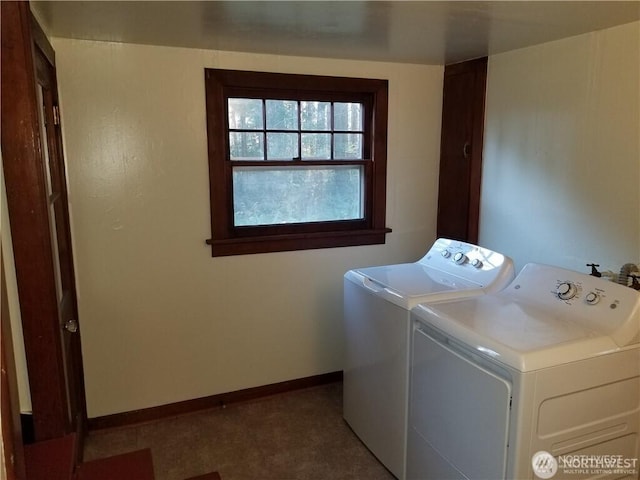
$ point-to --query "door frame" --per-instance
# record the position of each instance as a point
(473, 149)
(27, 203)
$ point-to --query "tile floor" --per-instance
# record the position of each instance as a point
(292, 436)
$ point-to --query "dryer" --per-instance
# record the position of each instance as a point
(377, 304)
(548, 366)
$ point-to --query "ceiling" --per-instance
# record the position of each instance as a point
(424, 32)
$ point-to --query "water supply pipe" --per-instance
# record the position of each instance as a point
(625, 272)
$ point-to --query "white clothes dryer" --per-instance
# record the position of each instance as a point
(548, 366)
(377, 304)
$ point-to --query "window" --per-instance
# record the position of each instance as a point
(295, 161)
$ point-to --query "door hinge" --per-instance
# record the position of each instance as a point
(56, 115)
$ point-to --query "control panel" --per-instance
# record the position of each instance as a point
(472, 262)
(595, 302)
(568, 290)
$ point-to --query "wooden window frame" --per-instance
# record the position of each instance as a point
(228, 239)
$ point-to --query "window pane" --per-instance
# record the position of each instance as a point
(246, 145)
(271, 196)
(282, 146)
(282, 115)
(316, 146)
(315, 115)
(245, 113)
(347, 116)
(348, 146)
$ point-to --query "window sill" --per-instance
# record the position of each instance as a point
(291, 242)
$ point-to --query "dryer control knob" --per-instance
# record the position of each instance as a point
(460, 258)
(566, 291)
(446, 253)
(476, 263)
(592, 298)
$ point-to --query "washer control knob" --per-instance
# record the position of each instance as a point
(592, 298)
(476, 263)
(460, 258)
(566, 291)
(446, 253)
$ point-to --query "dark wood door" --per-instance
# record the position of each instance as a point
(56, 197)
(461, 150)
(39, 217)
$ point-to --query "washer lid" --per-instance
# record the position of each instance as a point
(450, 269)
(410, 284)
(415, 279)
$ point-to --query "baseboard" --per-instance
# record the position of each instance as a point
(214, 401)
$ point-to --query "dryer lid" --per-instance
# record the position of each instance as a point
(521, 336)
(527, 326)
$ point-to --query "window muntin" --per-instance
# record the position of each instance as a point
(294, 130)
(295, 161)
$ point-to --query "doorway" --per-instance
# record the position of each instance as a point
(34, 172)
(461, 150)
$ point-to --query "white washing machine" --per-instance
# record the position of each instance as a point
(550, 364)
(377, 301)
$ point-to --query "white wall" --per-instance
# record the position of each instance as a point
(161, 320)
(561, 177)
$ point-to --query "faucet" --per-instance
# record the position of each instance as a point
(594, 270)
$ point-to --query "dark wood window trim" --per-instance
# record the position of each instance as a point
(228, 239)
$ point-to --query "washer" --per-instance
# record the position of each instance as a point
(377, 301)
(550, 364)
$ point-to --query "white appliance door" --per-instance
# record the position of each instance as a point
(458, 415)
